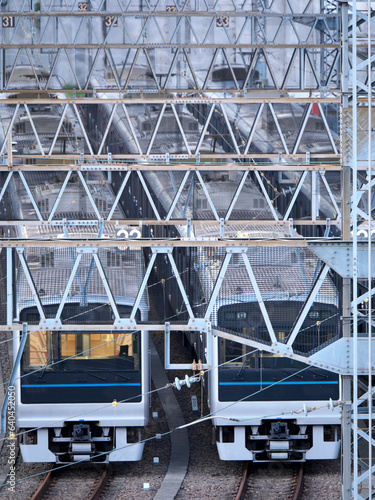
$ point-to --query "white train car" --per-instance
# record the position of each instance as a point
(81, 395)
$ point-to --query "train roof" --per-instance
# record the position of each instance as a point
(51, 268)
(281, 273)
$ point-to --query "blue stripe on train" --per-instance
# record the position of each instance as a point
(278, 383)
(81, 385)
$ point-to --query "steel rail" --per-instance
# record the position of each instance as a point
(43, 488)
(241, 489)
(298, 492)
(101, 484)
(94, 494)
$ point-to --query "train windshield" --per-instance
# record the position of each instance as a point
(321, 325)
(242, 357)
(249, 374)
(95, 367)
(70, 350)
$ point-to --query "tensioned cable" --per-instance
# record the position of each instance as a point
(124, 400)
(87, 350)
(207, 417)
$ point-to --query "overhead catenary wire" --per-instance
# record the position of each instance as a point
(125, 335)
(200, 420)
(93, 309)
(107, 405)
(114, 340)
(207, 417)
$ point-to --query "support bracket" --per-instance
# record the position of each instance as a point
(200, 324)
(128, 323)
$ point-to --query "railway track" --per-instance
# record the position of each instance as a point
(54, 485)
(263, 483)
(100, 485)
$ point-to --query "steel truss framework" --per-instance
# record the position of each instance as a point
(194, 322)
(240, 138)
(68, 50)
(186, 184)
(358, 83)
(150, 35)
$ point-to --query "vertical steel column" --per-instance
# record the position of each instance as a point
(314, 195)
(346, 331)
(369, 247)
(355, 250)
(9, 278)
(346, 325)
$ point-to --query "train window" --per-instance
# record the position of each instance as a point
(113, 259)
(319, 125)
(20, 128)
(43, 205)
(101, 345)
(225, 74)
(202, 203)
(68, 344)
(192, 126)
(36, 349)
(47, 259)
(231, 351)
(241, 316)
(146, 127)
(280, 335)
(230, 316)
(258, 203)
(46, 348)
(101, 204)
(326, 314)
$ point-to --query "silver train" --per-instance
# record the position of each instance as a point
(265, 138)
(256, 398)
(34, 128)
(262, 437)
(81, 395)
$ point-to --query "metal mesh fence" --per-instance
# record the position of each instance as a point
(263, 293)
(177, 194)
(120, 270)
(283, 279)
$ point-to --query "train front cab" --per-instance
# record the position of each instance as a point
(83, 396)
(264, 422)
